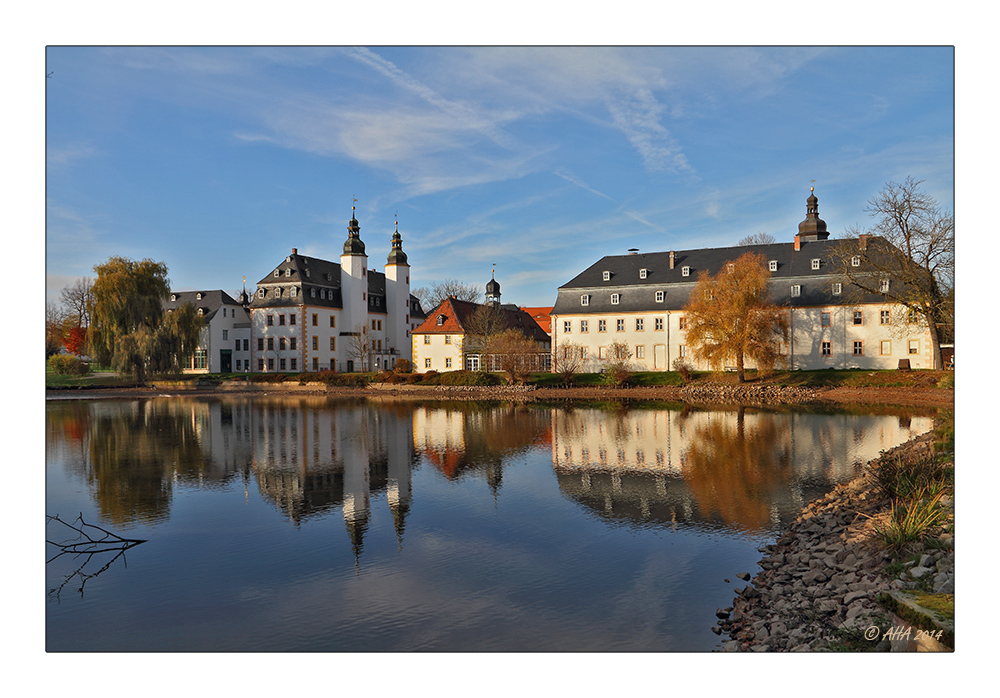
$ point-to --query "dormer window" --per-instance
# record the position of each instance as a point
(173, 296)
(837, 288)
(796, 290)
(607, 276)
(277, 273)
(883, 286)
(685, 271)
(260, 293)
(855, 261)
(199, 295)
(659, 296)
(440, 319)
(642, 273)
(294, 291)
(815, 264)
(585, 299)
(615, 298)
(288, 272)
(201, 311)
(730, 267)
(772, 265)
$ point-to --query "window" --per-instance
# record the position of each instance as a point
(796, 290)
(447, 363)
(825, 349)
(859, 318)
(855, 261)
(260, 344)
(315, 363)
(291, 318)
(237, 345)
(883, 286)
(837, 288)
(607, 276)
(639, 324)
(294, 291)
(260, 364)
(620, 325)
(730, 268)
(584, 326)
(277, 273)
(293, 364)
(427, 363)
(883, 317)
(281, 343)
(682, 323)
(260, 293)
(585, 299)
(447, 339)
(772, 265)
(270, 320)
(277, 292)
(293, 343)
(885, 347)
(281, 364)
(640, 351)
(602, 325)
(315, 319)
(315, 343)
(239, 364)
(427, 339)
(333, 321)
(333, 344)
(440, 320)
(708, 294)
(642, 273)
(685, 271)
(567, 326)
(270, 364)
(913, 347)
(859, 348)
(602, 352)
(225, 335)
(912, 318)
(200, 358)
(658, 323)
(815, 264)
(281, 319)
(270, 343)
(824, 319)
(659, 296)
(583, 353)
(615, 298)
(246, 345)
(682, 350)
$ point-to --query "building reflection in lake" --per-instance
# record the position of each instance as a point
(737, 468)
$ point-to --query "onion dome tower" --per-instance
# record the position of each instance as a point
(353, 244)
(396, 254)
(813, 227)
(493, 290)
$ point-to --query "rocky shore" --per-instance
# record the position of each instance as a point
(823, 585)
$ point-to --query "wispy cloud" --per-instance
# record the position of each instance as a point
(573, 179)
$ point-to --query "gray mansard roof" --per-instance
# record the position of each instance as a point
(208, 302)
(639, 295)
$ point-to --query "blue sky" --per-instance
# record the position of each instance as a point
(218, 161)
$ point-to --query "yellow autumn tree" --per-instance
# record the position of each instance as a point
(731, 318)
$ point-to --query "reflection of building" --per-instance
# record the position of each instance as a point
(638, 300)
(740, 467)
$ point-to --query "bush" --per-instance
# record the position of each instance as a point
(66, 365)
(682, 367)
(414, 378)
(469, 378)
(403, 366)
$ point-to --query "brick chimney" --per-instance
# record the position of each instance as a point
(798, 243)
(671, 259)
(863, 241)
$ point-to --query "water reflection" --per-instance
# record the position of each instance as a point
(739, 469)
(312, 457)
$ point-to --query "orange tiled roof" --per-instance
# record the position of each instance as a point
(457, 313)
(541, 316)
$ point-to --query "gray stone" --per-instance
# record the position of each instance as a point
(926, 560)
(745, 576)
(919, 572)
(854, 596)
(731, 646)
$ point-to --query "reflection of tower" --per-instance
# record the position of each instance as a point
(356, 492)
(399, 488)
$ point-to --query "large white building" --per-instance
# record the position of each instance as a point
(638, 299)
(310, 314)
(224, 346)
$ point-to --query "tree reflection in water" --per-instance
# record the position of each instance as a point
(737, 471)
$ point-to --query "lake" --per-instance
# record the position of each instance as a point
(300, 524)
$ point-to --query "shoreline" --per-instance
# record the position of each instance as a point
(749, 394)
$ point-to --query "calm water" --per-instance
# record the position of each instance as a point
(306, 524)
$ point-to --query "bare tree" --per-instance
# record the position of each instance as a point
(758, 238)
(485, 323)
(361, 347)
(55, 328)
(569, 361)
(907, 257)
(618, 366)
(77, 300)
(431, 297)
(513, 353)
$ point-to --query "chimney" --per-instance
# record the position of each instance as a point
(295, 250)
(633, 250)
(671, 259)
(798, 243)
(863, 241)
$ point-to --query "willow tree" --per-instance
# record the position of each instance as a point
(129, 329)
(730, 317)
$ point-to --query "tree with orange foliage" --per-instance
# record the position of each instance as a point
(730, 317)
(76, 340)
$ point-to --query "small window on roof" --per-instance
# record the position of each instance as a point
(855, 261)
(615, 298)
(796, 290)
(288, 272)
(440, 319)
(772, 265)
(607, 276)
(173, 296)
(585, 299)
(685, 271)
(659, 296)
(642, 273)
(837, 288)
(277, 273)
(815, 264)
